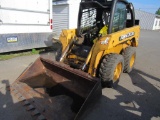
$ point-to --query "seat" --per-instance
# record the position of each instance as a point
(81, 50)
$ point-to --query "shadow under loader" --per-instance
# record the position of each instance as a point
(63, 93)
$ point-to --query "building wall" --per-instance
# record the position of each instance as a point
(73, 14)
(156, 25)
(146, 19)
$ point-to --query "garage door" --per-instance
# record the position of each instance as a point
(60, 18)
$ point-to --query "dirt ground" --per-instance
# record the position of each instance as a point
(137, 96)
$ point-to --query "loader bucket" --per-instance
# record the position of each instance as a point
(54, 91)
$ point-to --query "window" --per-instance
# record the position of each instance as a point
(88, 19)
(120, 16)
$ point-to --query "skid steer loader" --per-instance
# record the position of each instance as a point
(103, 45)
(98, 51)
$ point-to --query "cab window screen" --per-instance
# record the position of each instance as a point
(88, 19)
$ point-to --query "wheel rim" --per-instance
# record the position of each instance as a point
(132, 60)
(117, 71)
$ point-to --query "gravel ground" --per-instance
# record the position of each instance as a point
(137, 97)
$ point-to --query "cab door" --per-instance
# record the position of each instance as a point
(119, 17)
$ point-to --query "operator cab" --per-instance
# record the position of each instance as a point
(99, 18)
(94, 14)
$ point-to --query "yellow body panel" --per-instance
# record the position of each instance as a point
(66, 36)
(111, 43)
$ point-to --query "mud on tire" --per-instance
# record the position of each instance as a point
(129, 55)
(108, 67)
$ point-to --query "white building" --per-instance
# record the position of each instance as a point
(148, 21)
(156, 24)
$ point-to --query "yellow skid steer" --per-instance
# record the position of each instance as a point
(98, 51)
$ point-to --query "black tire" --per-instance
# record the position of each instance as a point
(108, 67)
(129, 55)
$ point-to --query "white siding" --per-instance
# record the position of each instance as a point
(18, 17)
(34, 5)
(25, 16)
(14, 29)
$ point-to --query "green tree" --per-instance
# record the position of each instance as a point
(158, 11)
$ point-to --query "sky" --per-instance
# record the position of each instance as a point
(150, 6)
